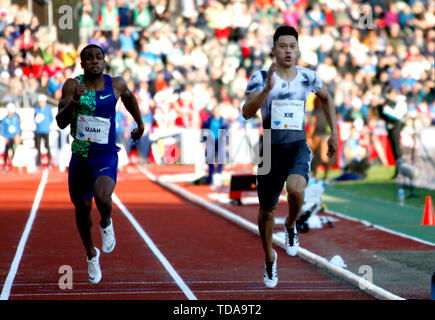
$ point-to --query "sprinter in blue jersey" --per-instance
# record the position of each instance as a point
(88, 104)
(280, 91)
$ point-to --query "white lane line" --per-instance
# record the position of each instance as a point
(305, 254)
(265, 290)
(21, 245)
(178, 280)
(56, 284)
(369, 224)
(77, 293)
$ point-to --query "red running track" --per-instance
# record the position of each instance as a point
(359, 244)
(213, 258)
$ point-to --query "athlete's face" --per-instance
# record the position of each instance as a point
(286, 51)
(93, 63)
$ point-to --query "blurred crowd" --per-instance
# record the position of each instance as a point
(184, 58)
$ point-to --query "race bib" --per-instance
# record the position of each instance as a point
(93, 129)
(287, 114)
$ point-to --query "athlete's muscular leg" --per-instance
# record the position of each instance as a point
(84, 224)
(103, 190)
(265, 227)
(295, 186)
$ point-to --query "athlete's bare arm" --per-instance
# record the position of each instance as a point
(72, 90)
(255, 100)
(329, 109)
(128, 98)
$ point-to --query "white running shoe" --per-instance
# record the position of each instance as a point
(291, 241)
(270, 272)
(108, 237)
(94, 271)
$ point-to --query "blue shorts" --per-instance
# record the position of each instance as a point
(286, 159)
(83, 172)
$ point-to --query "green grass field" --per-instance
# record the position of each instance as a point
(374, 199)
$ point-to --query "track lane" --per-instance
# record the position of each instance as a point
(218, 259)
(360, 244)
(131, 271)
(17, 194)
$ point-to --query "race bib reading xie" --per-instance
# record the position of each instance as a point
(287, 114)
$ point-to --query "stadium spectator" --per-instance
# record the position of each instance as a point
(121, 127)
(218, 18)
(125, 13)
(399, 52)
(11, 131)
(215, 138)
(391, 15)
(291, 16)
(317, 139)
(25, 41)
(3, 22)
(406, 17)
(356, 161)
(189, 11)
(11, 33)
(37, 66)
(144, 144)
(109, 16)
(68, 55)
(55, 83)
(114, 42)
(142, 15)
(5, 65)
(393, 111)
(35, 26)
(128, 40)
(16, 86)
(142, 71)
(316, 16)
(43, 118)
(53, 67)
(355, 113)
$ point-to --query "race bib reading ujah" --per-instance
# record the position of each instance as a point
(93, 129)
(287, 114)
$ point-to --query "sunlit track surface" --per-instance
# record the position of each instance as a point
(363, 246)
(215, 258)
(154, 289)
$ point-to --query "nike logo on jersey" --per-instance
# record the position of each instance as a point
(106, 96)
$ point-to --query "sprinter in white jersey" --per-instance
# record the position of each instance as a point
(281, 91)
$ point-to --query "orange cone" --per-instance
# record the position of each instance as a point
(428, 217)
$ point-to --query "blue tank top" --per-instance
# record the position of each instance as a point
(93, 127)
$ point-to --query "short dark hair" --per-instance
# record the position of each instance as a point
(90, 46)
(390, 89)
(284, 31)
